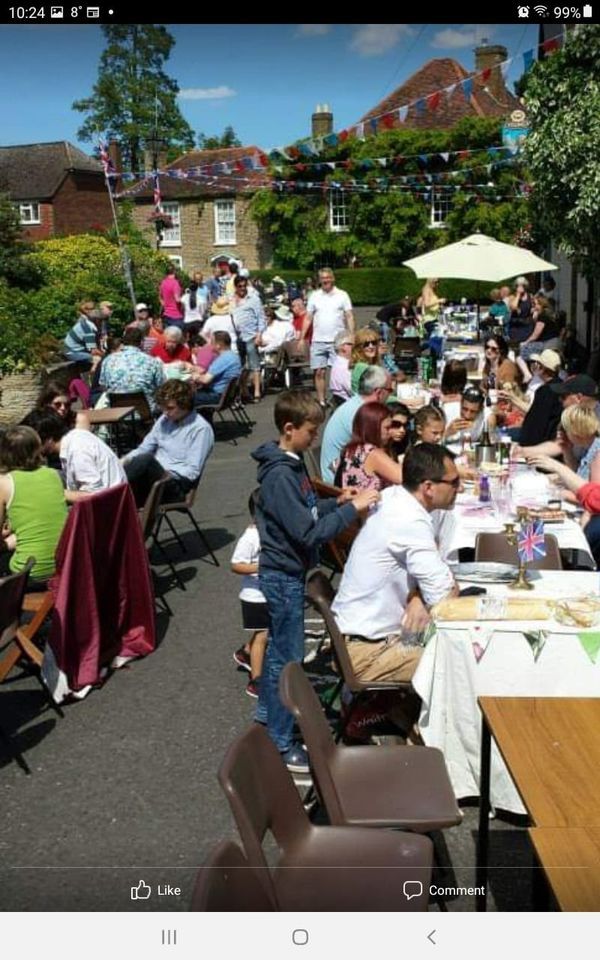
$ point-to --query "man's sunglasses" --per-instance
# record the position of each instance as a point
(451, 483)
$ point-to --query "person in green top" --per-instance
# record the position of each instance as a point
(33, 510)
(365, 353)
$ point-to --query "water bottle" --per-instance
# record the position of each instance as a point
(484, 489)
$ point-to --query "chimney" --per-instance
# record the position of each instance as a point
(161, 159)
(322, 120)
(114, 152)
(490, 56)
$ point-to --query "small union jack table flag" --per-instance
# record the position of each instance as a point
(530, 543)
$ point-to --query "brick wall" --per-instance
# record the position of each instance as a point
(80, 203)
(43, 230)
(198, 235)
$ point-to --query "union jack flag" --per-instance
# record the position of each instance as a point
(157, 195)
(107, 164)
(530, 543)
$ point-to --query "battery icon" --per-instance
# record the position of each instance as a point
(587, 10)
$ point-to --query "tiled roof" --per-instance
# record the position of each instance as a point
(435, 76)
(34, 171)
(240, 181)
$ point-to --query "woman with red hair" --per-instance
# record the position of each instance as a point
(363, 463)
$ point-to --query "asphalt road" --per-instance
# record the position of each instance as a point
(124, 787)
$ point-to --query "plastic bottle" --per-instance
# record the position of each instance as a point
(484, 489)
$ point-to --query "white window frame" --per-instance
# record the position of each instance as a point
(177, 259)
(29, 213)
(172, 235)
(440, 207)
(225, 226)
(339, 213)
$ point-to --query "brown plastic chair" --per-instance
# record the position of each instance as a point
(226, 883)
(312, 458)
(320, 868)
(493, 547)
(336, 551)
(370, 786)
(228, 403)
(296, 357)
(184, 506)
(320, 594)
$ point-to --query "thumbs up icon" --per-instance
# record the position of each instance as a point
(141, 892)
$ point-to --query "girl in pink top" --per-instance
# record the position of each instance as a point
(170, 296)
(364, 464)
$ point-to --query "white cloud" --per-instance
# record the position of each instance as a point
(314, 29)
(372, 39)
(206, 93)
(463, 37)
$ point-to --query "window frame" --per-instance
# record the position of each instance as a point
(439, 199)
(172, 209)
(32, 205)
(221, 241)
(338, 199)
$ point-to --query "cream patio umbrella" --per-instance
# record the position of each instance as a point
(477, 258)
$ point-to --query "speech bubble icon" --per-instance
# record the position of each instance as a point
(412, 888)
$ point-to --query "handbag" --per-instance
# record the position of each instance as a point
(241, 344)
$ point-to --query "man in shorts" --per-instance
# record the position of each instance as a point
(330, 311)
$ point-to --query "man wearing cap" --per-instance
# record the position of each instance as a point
(579, 390)
(542, 419)
(330, 311)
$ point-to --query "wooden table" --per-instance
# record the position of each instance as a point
(109, 416)
(551, 747)
(570, 857)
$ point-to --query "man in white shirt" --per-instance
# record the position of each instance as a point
(330, 312)
(465, 419)
(395, 571)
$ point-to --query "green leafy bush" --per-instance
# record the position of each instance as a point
(372, 286)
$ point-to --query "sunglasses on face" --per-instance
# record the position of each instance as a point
(60, 403)
(370, 343)
(397, 424)
(451, 483)
(493, 349)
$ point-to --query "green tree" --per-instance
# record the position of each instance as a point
(15, 269)
(227, 139)
(133, 98)
(562, 150)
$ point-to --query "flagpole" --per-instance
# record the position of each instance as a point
(125, 258)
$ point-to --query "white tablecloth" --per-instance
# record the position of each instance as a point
(449, 679)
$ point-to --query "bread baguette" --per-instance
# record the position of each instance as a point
(491, 608)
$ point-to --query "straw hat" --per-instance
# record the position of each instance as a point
(284, 313)
(549, 359)
(221, 307)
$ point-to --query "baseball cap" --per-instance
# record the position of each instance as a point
(549, 359)
(580, 383)
(142, 306)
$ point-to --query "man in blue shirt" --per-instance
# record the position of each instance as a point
(81, 342)
(374, 386)
(178, 444)
(224, 368)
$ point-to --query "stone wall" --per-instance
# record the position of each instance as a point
(198, 235)
(19, 391)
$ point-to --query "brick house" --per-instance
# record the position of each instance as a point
(58, 189)
(210, 216)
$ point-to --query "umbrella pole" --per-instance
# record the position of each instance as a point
(478, 311)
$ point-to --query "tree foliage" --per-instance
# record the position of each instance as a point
(563, 148)
(133, 98)
(389, 219)
(227, 139)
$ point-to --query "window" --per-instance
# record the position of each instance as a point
(172, 235)
(225, 221)
(178, 261)
(339, 215)
(29, 212)
(441, 205)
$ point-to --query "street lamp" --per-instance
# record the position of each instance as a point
(162, 221)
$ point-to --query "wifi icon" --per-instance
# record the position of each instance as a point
(541, 11)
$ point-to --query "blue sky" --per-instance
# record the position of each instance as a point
(263, 79)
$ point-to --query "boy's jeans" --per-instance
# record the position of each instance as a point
(285, 600)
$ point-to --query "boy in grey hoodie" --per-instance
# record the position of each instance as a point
(293, 523)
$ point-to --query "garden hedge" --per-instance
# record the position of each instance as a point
(368, 286)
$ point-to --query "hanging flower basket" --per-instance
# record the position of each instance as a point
(161, 221)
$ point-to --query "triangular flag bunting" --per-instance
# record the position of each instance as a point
(537, 641)
(486, 74)
(467, 86)
(445, 157)
(591, 644)
(420, 107)
(402, 114)
(433, 101)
